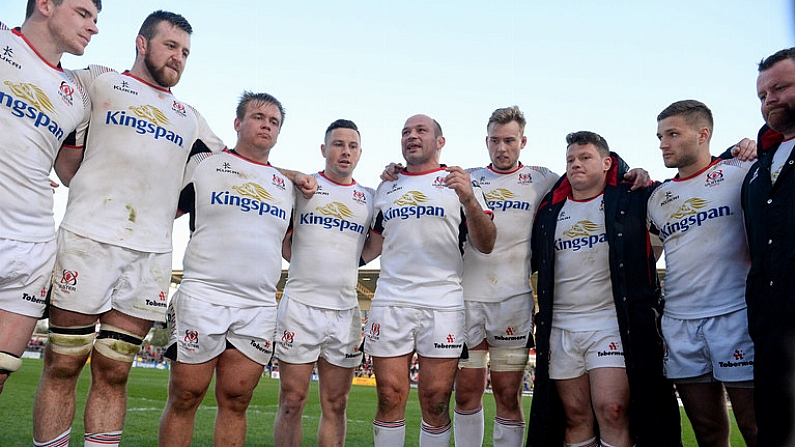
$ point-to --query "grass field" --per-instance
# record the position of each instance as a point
(147, 392)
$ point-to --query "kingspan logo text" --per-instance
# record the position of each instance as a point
(580, 242)
(505, 205)
(330, 222)
(22, 109)
(141, 126)
(404, 212)
(694, 220)
(501, 199)
(247, 204)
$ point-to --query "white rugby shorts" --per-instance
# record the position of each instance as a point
(719, 345)
(572, 354)
(92, 278)
(506, 324)
(305, 333)
(25, 275)
(392, 331)
(200, 330)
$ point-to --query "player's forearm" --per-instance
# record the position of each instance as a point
(290, 174)
(372, 247)
(67, 163)
(482, 231)
(287, 248)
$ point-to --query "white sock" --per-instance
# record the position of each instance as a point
(508, 433)
(468, 427)
(431, 436)
(389, 434)
(61, 440)
(589, 443)
(110, 439)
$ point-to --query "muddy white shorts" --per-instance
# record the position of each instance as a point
(506, 324)
(92, 278)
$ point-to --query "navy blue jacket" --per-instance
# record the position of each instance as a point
(653, 409)
(770, 290)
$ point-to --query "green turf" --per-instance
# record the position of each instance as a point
(147, 395)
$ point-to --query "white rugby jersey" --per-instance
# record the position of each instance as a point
(41, 109)
(240, 211)
(700, 221)
(125, 192)
(422, 222)
(513, 197)
(328, 234)
(583, 291)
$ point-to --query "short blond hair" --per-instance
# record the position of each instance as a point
(505, 115)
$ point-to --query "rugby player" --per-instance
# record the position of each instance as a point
(223, 316)
(499, 313)
(599, 352)
(497, 294)
(114, 245)
(708, 351)
(418, 305)
(41, 110)
(319, 318)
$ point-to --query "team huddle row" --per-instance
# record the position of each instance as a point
(457, 249)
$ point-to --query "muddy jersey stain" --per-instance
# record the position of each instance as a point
(131, 217)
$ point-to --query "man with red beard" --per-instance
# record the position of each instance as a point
(114, 246)
(768, 200)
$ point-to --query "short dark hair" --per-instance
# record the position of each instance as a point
(32, 6)
(342, 124)
(778, 56)
(437, 132)
(259, 98)
(506, 115)
(149, 27)
(585, 137)
(694, 112)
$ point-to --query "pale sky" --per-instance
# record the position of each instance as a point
(608, 67)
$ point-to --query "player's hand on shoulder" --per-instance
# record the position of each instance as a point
(639, 177)
(745, 150)
(391, 172)
(307, 184)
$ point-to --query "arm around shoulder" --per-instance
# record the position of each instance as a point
(372, 246)
(67, 162)
(305, 183)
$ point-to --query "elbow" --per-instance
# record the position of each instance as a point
(65, 179)
(487, 245)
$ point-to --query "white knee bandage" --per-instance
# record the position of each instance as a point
(74, 341)
(117, 344)
(9, 363)
(508, 359)
(478, 358)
